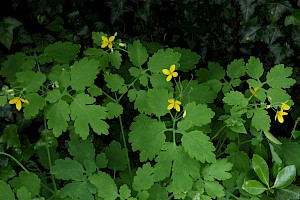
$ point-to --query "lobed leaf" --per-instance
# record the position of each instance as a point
(137, 53)
(198, 146)
(5, 191)
(277, 77)
(254, 68)
(62, 52)
(68, 169)
(83, 73)
(218, 170)
(106, 186)
(28, 180)
(143, 180)
(147, 136)
(85, 113)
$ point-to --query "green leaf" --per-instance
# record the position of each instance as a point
(101, 160)
(240, 161)
(290, 192)
(289, 153)
(159, 81)
(200, 93)
(261, 120)
(270, 34)
(114, 82)
(82, 150)
(11, 66)
(143, 180)
(106, 186)
(277, 77)
(67, 169)
(272, 138)
(114, 110)
(198, 146)
(31, 81)
(215, 71)
(29, 180)
(261, 168)
(281, 52)
(250, 33)
(218, 170)
(96, 36)
(115, 59)
(214, 189)
(58, 117)
(247, 8)
(254, 68)
(163, 59)
(84, 112)
(184, 169)
(78, 190)
(36, 103)
(236, 68)
(53, 95)
(147, 136)
(137, 53)
(116, 156)
(157, 191)
(277, 96)
(188, 59)
(23, 194)
(62, 52)
(125, 192)
(6, 173)
(7, 26)
(158, 101)
(10, 137)
(60, 75)
(285, 177)
(94, 91)
(254, 187)
(277, 9)
(235, 98)
(6, 192)
(198, 115)
(83, 73)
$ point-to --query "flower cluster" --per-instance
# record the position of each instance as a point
(18, 101)
(170, 73)
(279, 114)
(108, 42)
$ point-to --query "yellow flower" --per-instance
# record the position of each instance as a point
(279, 115)
(284, 106)
(170, 73)
(174, 104)
(253, 91)
(107, 41)
(18, 101)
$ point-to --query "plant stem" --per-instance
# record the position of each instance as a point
(49, 157)
(219, 131)
(125, 146)
(20, 164)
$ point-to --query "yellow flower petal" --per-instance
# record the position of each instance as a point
(279, 115)
(171, 100)
(172, 68)
(166, 72)
(177, 102)
(169, 78)
(284, 106)
(110, 45)
(170, 106)
(174, 74)
(14, 100)
(177, 107)
(111, 38)
(104, 44)
(104, 39)
(18, 105)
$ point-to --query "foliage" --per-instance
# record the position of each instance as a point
(86, 115)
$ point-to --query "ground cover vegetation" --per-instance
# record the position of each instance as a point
(149, 99)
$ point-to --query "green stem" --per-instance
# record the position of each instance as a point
(49, 157)
(20, 164)
(219, 131)
(125, 146)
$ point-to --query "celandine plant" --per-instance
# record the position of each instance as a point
(138, 123)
